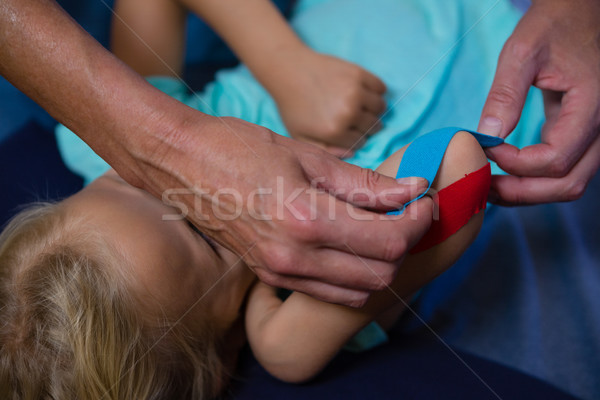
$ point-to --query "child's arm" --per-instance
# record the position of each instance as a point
(321, 99)
(295, 339)
(149, 36)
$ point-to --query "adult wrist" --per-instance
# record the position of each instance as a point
(160, 136)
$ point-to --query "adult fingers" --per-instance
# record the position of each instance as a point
(358, 186)
(514, 75)
(552, 104)
(513, 190)
(321, 290)
(565, 138)
(375, 236)
(343, 277)
(343, 268)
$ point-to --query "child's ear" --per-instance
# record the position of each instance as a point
(390, 166)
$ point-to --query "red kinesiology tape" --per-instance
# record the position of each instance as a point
(456, 204)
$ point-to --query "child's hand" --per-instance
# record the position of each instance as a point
(329, 102)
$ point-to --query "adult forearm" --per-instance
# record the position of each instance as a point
(157, 143)
(48, 56)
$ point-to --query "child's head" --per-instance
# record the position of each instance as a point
(102, 299)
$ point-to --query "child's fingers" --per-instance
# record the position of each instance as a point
(353, 140)
(368, 123)
(373, 102)
(373, 83)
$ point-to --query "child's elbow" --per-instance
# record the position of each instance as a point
(463, 156)
(292, 374)
(285, 361)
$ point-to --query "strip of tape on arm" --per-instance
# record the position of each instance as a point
(457, 202)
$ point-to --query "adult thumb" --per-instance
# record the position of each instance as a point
(361, 187)
(505, 101)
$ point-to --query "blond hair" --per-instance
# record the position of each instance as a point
(71, 329)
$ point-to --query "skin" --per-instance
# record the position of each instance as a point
(555, 47)
(330, 102)
(176, 272)
(184, 276)
(155, 143)
(322, 99)
(173, 267)
(295, 339)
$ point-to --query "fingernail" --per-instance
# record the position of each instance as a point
(491, 126)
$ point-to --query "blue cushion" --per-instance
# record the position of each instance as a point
(32, 170)
(408, 367)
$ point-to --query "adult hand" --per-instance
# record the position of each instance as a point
(327, 101)
(298, 216)
(555, 47)
(156, 143)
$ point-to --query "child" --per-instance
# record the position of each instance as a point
(443, 83)
(321, 99)
(104, 298)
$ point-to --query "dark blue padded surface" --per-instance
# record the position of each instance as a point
(408, 367)
(16, 109)
(207, 54)
(32, 170)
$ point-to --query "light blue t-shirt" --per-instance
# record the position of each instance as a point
(437, 59)
(525, 294)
